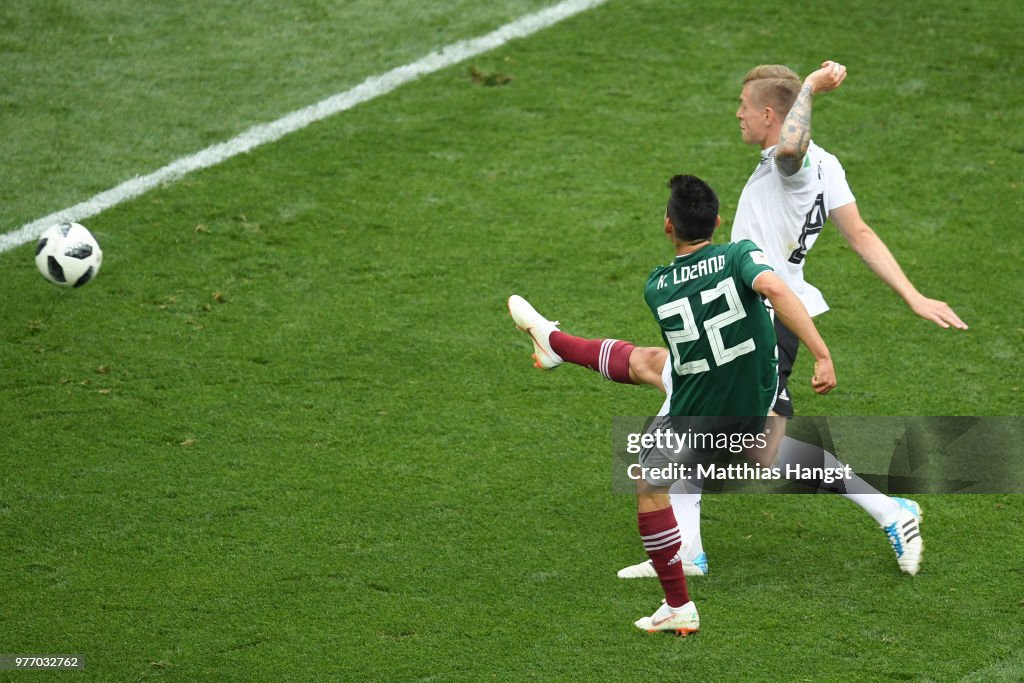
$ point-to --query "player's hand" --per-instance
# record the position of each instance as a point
(829, 77)
(824, 379)
(938, 312)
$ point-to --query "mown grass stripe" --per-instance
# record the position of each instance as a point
(261, 134)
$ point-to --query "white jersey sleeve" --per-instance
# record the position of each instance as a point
(784, 215)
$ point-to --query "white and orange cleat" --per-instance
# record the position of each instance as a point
(679, 620)
(538, 327)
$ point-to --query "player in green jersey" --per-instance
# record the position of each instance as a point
(775, 113)
(713, 322)
(709, 306)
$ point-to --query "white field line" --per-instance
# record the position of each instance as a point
(261, 134)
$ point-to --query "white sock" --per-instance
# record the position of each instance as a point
(882, 508)
(685, 497)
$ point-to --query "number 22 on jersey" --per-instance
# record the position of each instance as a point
(713, 326)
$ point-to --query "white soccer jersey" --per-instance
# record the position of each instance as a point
(783, 215)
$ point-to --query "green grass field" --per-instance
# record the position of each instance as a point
(289, 433)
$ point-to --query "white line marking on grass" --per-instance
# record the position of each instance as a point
(261, 134)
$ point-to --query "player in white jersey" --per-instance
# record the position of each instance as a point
(785, 214)
(795, 188)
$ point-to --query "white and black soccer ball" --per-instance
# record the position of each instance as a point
(68, 255)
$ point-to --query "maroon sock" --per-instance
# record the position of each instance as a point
(610, 357)
(661, 538)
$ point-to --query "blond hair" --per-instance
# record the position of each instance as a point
(773, 85)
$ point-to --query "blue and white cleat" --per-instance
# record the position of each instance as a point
(910, 506)
(905, 536)
(682, 620)
(538, 327)
(645, 570)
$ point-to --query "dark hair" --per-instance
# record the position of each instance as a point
(692, 208)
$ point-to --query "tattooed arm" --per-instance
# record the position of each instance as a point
(796, 129)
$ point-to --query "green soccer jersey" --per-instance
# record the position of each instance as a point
(718, 331)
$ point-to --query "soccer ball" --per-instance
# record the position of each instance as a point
(68, 255)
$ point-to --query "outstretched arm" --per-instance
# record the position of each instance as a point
(793, 315)
(882, 263)
(796, 129)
